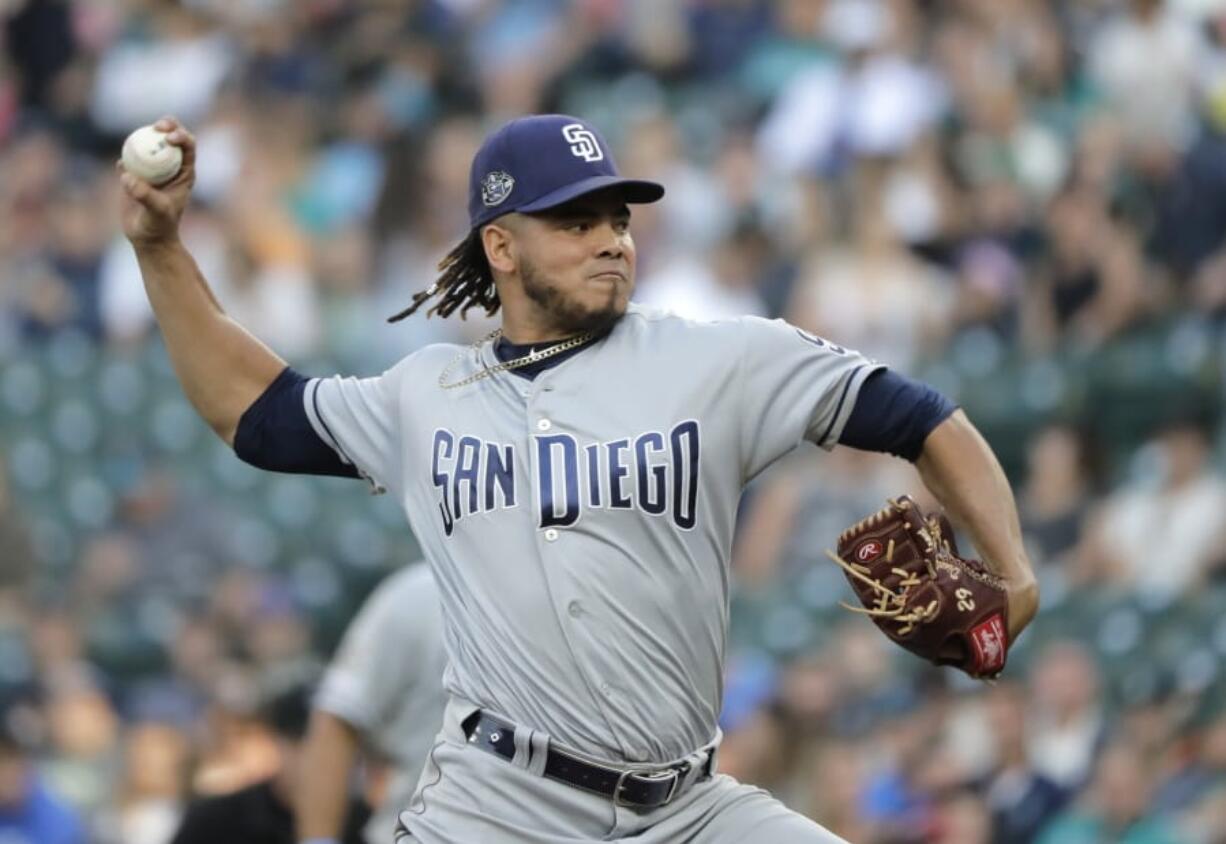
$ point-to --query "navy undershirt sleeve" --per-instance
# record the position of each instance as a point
(275, 433)
(895, 414)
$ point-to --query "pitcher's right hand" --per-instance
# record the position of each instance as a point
(151, 214)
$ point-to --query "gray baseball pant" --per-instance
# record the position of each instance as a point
(467, 795)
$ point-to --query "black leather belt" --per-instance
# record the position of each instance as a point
(624, 787)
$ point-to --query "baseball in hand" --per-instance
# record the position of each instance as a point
(147, 154)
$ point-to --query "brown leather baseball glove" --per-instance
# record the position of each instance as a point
(907, 573)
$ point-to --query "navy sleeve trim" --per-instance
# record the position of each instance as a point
(275, 433)
(332, 440)
(838, 408)
(895, 414)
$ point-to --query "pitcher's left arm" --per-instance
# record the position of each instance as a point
(960, 470)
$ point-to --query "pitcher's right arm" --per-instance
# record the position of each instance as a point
(223, 369)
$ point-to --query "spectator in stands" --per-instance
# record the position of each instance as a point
(836, 776)
(961, 818)
(67, 270)
(131, 86)
(29, 811)
(1093, 283)
(261, 813)
(1162, 533)
(149, 804)
(721, 285)
(874, 294)
(894, 800)
(1114, 806)
(41, 47)
(1198, 782)
(1190, 208)
(1145, 59)
(1057, 492)
(1021, 800)
(1067, 719)
(83, 740)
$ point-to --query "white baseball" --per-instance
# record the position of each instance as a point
(147, 153)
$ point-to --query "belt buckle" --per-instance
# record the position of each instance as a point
(621, 781)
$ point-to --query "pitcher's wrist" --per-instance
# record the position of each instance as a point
(157, 245)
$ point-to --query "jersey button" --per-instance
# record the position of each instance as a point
(551, 535)
(544, 425)
(575, 609)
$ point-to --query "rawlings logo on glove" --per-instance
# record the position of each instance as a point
(906, 571)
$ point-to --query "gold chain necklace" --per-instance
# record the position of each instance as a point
(533, 357)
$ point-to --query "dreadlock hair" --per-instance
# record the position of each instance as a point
(465, 281)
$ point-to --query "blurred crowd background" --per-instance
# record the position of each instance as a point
(1020, 202)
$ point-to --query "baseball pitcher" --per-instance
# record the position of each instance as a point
(573, 480)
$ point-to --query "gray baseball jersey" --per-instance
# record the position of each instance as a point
(579, 525)
(386, 680)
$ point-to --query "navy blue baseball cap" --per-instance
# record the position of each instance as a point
(542, 161)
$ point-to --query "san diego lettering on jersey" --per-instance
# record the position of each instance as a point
(655, 473)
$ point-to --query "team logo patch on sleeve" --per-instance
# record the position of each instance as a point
(496, 187)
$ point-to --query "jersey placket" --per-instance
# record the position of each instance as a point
(556, 544)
